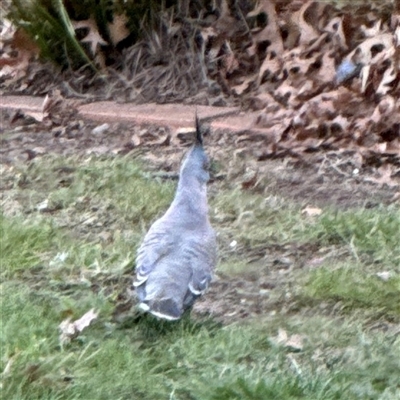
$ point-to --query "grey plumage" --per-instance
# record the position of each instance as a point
(347, 70)
(175, 262)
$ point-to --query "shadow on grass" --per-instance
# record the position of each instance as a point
(151, 328)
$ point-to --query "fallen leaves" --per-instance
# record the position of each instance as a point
(70, 330)
(16, 52)
(335, 77)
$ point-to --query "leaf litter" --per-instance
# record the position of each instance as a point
(312, 77)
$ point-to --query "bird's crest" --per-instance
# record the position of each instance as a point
(199, 136)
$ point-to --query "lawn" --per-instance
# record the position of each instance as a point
(70, 228)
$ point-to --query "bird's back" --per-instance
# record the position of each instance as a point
(180, 264)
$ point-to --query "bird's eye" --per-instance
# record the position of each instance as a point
(206, 165)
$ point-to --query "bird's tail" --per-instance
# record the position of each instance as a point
(164, 309)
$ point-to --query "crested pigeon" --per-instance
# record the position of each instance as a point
(347, 70)
(175, 262)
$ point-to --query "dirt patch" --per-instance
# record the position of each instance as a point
(331, 180)
(269, 283)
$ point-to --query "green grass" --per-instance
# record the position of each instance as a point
(23, 243)
(366, 232)
(188, 359)
(78, 254)
(355, 288)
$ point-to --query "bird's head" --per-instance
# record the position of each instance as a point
(196, 163)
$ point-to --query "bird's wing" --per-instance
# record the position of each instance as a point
(203, 258)
(156, 244)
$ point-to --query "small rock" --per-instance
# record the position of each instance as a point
(43, 206)
(185, 131)
(233, 244)
(100, 129)
(135, 140)
(384, 275)
(283, 262)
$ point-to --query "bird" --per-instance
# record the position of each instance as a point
(347, 70)
(176, 260)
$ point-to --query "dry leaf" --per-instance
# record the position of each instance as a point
(282, 336)
(7, 369)
(327, 72)
(316, 262)
(93, 37)
(335, 27)
(7, 32)
(22, 42)
(243, 87)
(363, 52)
(307, 31)
(207, 33)
(38, 116)
(105, 236)
(70, 330)
(117, 29)
(341, 122)
(395, 198)
(225, 25)
(251, 182)
(15, 68)
(372, 32)
(364, 77)
(311, 211)
(385, 178)
(230, 63)
(271, 32)
(388, 77)
(272, 66)
(85, 320)
(292, 343)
